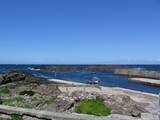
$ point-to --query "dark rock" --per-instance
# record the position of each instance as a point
(1, 78)
(64, 106)
(11, 77)
(0, 101)
(136, 113)
(123, 104)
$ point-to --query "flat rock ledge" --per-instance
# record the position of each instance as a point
(147, 81)
(30, 114)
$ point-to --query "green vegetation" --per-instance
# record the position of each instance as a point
(93, 107)
(16, 117)
(11, 86)
(13, 117)
(4, 90)
(4, 119)
(16, 101)
(50, 101)
(29, 93)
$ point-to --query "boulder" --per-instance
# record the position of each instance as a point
(64, 106)
(11, 77)
(123, 104)
(1, 78)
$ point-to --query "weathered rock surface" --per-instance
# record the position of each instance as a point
(64, 106)
(25, 117)
(76, 96)
(123, 104)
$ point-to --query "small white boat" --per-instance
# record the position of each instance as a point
(94, 80)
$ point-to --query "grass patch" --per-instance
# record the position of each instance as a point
(11, 86)
(13, 117)
(16, 117)
(13, 101)
(93, 107)
(4, 119)
(50, 101)
(16, 101)
(29, 93)
(4, 90)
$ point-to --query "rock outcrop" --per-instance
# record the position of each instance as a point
(120, 104)
(76, 96)
(124, 105)
(63, 106)
(11, 77)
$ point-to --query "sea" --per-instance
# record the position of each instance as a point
(107, 78)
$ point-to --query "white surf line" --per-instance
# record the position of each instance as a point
(65, 82)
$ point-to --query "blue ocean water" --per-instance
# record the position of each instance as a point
(107, 78)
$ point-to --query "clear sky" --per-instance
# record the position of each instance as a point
(79, 31)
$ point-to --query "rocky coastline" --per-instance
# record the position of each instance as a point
(23, 90)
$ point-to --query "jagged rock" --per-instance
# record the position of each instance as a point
(11, 77)
(76, 96)
(136, 113)
(1, 78)
(48, 90)
(64, 106)
(79, 95)
(123, 104)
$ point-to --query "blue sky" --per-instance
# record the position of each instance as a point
(79, 31)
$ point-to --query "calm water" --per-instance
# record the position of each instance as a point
(107, 77)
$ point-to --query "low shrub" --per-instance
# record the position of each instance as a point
(16, 117)
(4, 90)
(16, 101)
(29, 93)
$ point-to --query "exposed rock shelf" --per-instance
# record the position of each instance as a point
(138, 73)
(147, 81)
